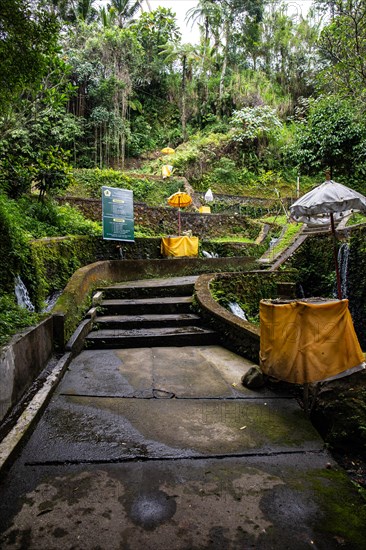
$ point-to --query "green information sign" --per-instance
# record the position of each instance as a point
(117, 212)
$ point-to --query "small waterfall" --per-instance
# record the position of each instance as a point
(301, 293)
(236, 310)
(209, 254)
(343, 255)
(50, 301)
(273, 242)
(22, 295)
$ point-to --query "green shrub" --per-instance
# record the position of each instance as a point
(88, 184)
(13, 318)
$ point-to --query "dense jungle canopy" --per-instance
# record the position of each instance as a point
(87, 84)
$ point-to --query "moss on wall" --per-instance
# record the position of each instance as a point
(52, 261)
(314, 262)
(247, 289)
(357, 282)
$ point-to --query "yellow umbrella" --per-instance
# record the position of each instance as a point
(167, 151)
(179, 200)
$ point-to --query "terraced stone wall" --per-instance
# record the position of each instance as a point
(165, 220)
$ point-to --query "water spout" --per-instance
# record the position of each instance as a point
(273, 242)
(209, 254)
(51, 300)
(343, 255)
(237, 310)
(22, 295)
(301, 293)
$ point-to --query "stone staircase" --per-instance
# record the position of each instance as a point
(148, 313)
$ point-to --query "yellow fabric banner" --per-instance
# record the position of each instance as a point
(303, 342)
(179, 246)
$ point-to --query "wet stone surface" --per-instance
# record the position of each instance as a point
(199, 371)
(256, 502)
(91, 428)
(163, 448)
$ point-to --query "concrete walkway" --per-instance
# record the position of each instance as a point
(163, 448)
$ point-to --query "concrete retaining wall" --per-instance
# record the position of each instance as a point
(22, 360)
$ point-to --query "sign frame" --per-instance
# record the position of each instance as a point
(117, 214)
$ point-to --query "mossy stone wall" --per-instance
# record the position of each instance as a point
(314, 262)
(54, 260)
(165, 220)
(356, 278)
(248, 289)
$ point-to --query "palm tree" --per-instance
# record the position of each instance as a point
(208, 12)
(125, 10)
(83, 10)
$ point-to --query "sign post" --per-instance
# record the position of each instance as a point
(117, 213)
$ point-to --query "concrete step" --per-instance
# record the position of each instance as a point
(177, 304)
(148, 321)
(150, 288)
(153, 337)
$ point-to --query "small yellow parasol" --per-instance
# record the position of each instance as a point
(167, 151)
(179, 200)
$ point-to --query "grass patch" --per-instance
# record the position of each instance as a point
(279, 220)
(357, 217)
(291, 233)
(232, 240)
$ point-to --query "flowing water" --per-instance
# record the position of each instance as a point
(237, 310)
(50, 301)
(22, 295)
(343, 255)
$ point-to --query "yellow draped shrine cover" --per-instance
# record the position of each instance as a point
(179, 246)
(303, 342)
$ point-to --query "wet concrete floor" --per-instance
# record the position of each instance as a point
(162, 448)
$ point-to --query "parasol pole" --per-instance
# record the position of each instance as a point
(339, 287)
(178, 216)
(335, 253)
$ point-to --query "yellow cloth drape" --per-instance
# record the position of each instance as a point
(304, 342)
(179, 246)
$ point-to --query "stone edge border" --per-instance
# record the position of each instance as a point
(12, 440)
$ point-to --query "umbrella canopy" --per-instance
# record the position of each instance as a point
(179, 200)
(329, 200)
(167, 151)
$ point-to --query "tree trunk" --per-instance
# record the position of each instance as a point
(223, 70)
(184, 115)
